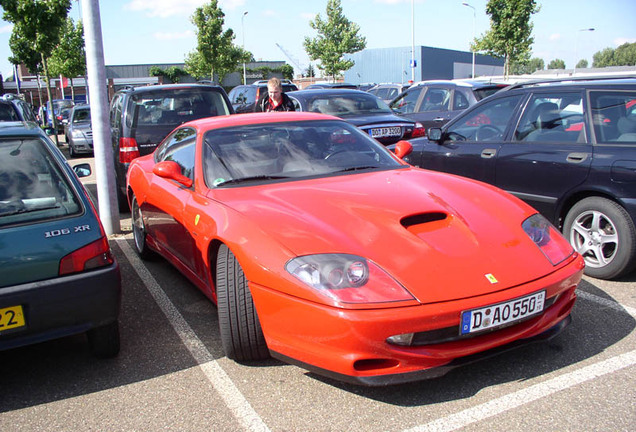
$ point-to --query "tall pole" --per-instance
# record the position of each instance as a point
(412, 41)
(576, 47)
(243, 32)
(104, 164)
(474, 35)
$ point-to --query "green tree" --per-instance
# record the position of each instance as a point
(527, 67)
(215, 53)
(556, 64)
(69, 56)
(603, 58)
(337, 36)
(287, 71)
(173, 73)
(310, 72)
(582, 64)
(625, 55)
(510, 34)
(36, 31)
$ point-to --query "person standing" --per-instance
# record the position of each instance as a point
(274, 99)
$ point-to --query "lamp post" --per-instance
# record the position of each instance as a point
(474, 19)
(576, 47)
(243, 32)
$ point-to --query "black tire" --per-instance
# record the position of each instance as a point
(103, 341)
(71, 151)
(604, 234)
(139, 231)
(241, 333)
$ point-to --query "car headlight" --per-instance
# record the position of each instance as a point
(553, 245)
(347, 278)
(77, 134)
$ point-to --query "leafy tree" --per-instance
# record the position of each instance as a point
(215, 52)
(556, 64)
(287, 71)
(527, 67)
(510, 34)
(69, 56)
(582, 64)
(173, 73)
(36, 31)
(624, 55)
(336, 36)
(310, 72)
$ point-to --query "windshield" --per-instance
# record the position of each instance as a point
(32, 187)
(347, 105)
(274, 151)
(81, 115)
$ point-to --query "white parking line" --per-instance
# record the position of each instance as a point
(238, 405)
(513, 400)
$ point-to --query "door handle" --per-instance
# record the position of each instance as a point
(488, 153)
(438, 119)
(577, 157)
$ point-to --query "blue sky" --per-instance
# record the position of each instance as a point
(160, 31)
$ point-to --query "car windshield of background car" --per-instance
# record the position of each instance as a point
(345, 105)
(487, 122)
(275, 151)
(81, 116)
(31, 185)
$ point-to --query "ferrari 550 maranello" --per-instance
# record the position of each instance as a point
(325, 250)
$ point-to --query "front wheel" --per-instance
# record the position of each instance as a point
(603, 233)
(241, 333)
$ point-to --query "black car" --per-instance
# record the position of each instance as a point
(12, 109)
(141, 117)
(568, 148)
(58, 276)
(244, 97)
(337, 85)
(362, 109)
(433, 103)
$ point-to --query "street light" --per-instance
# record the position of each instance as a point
(576, 47)
(474, 19)
(243, 32)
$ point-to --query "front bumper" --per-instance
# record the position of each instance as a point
(63, 306)
(351, 345)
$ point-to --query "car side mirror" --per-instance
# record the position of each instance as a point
(49, 130)
(403, 148)
(434, 134)
(172, 171)
(82, 170)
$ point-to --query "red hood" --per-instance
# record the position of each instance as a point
(475, 229)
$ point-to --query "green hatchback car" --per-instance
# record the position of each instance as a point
(57, 274)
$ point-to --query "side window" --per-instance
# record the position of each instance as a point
(179, 147)
(115, 112)
(238, 95)
(614, 116)
(486, 123)
(460, 101)
(554, 117)
(406, 103)
(436, 99)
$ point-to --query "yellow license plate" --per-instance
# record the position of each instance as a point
(11, 317)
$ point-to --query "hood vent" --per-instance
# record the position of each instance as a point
(424, 222)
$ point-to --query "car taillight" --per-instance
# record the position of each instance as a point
(128, 150)
(418, 130)
(91, 256)
(258, 94)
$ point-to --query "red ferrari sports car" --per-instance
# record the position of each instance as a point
(325, 250)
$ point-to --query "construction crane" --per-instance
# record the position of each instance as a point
(291, 59)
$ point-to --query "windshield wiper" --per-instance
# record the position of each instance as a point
(251, 178)
(358, 168)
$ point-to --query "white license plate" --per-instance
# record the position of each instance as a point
(386, 132)
(497, 315)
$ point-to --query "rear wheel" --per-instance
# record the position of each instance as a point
(604, 234)
(71, 151)
(139, 231)
(103, 341)
(241, 333)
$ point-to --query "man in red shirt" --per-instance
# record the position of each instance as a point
(274, 99)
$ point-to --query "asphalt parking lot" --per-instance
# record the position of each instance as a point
(172, 374)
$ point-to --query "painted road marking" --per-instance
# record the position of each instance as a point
(233, 398)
